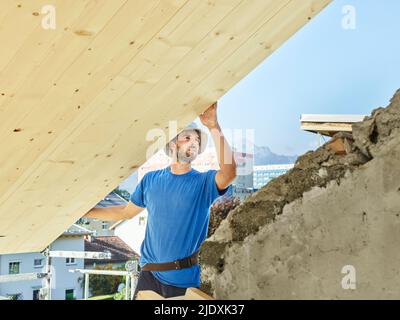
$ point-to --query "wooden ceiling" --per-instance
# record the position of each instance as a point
(77, 101)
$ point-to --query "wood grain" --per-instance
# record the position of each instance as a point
(75, 109)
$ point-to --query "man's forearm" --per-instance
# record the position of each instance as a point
(225, 156)
(107, 214)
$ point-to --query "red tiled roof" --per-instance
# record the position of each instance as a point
(119, 250)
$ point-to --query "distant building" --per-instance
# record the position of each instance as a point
(132, 231)
(242, 186)
(65, 285)
(120, 251)
(241, 193)
(264, 174)
(99, 227)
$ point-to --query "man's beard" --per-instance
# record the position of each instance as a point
(186, 156)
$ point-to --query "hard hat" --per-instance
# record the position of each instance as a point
(202, 134)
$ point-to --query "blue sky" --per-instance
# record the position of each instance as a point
(323, 68)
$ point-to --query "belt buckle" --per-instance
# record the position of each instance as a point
(177, 265)
(185, 263)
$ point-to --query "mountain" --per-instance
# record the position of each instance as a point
(264, 156)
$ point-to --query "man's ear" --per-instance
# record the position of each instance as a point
(172, 146)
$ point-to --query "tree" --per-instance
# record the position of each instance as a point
(104, 284)
(122, 193)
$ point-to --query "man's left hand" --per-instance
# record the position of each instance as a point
(209, 117)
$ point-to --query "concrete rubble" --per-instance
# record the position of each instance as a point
(293, 238)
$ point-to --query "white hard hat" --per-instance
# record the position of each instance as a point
(202, 134)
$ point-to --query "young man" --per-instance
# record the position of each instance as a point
(177, 199)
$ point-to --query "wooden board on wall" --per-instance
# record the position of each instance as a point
(77, 101)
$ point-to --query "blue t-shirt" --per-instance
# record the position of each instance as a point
(178, 216)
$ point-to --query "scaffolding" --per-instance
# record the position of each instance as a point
(131, 276)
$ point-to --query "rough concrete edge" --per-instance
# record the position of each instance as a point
(368, 137)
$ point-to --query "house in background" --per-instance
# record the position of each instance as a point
(65, 285)
(120, 252)
(132, 231)
(102, 228)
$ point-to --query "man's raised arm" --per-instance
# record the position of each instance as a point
(226, 160)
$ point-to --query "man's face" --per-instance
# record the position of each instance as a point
(188, 146)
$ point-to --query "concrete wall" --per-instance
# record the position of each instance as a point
(339, 240)
(301, 254)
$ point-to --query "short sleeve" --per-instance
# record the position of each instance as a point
(137, 197)
(211, 188)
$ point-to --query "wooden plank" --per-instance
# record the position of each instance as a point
(196, 294)
(163, 13)
(326, 127)
(18, 20)
(148, 295)
(335, 118)
(37, 112)
(220, 9)
(101, 272)
(258, 46)
(28, 108)
(41, 44)
(190, 294)
(167, 63)
(264, 10)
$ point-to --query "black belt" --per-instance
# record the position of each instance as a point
(174, 265)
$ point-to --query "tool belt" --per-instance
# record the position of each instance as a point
(174, 265)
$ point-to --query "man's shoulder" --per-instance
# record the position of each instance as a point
(207, 175)
(163, 173)
(204, 173)
(154, 174)
(210, 172)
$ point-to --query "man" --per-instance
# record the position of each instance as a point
(177, 199)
